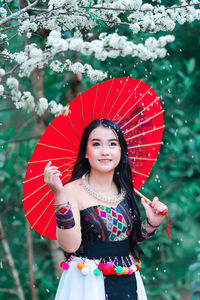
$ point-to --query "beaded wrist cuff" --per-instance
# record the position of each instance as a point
(145, 234)
(64, 216)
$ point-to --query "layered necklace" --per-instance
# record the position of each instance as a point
(100, 196)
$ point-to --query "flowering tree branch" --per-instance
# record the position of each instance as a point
(69, 27)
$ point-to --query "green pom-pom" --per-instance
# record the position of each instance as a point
(97, 272)
(138, 264)
(118, 269)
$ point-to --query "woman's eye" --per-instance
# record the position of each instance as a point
(96, 144)
(113, 144)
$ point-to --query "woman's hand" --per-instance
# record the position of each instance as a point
(52, 178)
(153, 211)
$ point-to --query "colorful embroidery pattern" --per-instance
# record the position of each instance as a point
(64, 216)
(114, 221)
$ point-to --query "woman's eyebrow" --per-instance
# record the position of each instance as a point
(110, 140)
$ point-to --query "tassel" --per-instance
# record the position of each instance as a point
(167, 230)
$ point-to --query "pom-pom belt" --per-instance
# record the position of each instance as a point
(110, 258)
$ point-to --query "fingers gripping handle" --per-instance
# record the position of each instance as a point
(163, 213)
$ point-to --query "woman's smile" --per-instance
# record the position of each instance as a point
(103, 149)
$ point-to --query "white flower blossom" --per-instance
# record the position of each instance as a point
(75, 44)
(77, 68)
(3, 12)
(57, 42)
(2, 72)
(146, 7)
(55, 108)
(59, 3)
(135, 27)
(1, 90)
(96, 75)
(86, 48)
(3, 37)
(27, 26)
(57, 66)
(161, 53)
(36, 53)
(41, 106)
(12, 83)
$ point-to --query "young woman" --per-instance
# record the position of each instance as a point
(98, 220)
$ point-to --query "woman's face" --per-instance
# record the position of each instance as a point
(103, 149)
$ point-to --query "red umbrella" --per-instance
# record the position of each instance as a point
(131, 103)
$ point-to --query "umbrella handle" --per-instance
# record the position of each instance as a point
(164, 212)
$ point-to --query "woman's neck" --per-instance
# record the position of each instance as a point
(102, 181)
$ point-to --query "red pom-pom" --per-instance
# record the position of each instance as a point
(138, 267)
(112, 272)
(101, 266)
(62, 262)
(106, 271)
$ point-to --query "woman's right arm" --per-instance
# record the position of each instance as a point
(68, 235)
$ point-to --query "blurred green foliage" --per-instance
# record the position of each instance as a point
(170, 270)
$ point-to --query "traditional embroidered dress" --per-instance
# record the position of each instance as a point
(105, 232)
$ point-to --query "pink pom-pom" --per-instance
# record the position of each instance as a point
(110, 265)
(65, 266)
(130, 271)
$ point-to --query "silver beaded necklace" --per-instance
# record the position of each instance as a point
(109, 199)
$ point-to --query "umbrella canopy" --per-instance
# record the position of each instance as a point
(131, 103)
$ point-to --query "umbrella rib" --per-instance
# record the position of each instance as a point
(143, 133)
(145, 145)
(142, 158)
(139, 173)
(63, 135)
(42, 213)
(95, 101)
(74, 127)
(133, 106)
(48, 223)
(126, 100)
(145, 121)
(69, 169)
(106, 98)
(39, 161)
(141, 112)
(43, 173)
(37, 203)
(117, 97)
(82, 111)
(34, 192)
(57, 148)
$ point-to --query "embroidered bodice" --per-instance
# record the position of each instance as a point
(106, 223)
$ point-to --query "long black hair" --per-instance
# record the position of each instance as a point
(122, 176)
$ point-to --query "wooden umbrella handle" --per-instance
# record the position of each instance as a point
(164, 212)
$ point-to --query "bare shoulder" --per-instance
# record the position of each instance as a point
(73, 191)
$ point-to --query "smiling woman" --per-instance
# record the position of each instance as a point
(98, 220)
(103, 151)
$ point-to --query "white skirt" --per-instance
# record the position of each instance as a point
(74, 285)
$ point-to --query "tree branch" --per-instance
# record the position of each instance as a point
(10, 291)
(131, 10)
(18, 13)
(9, 258)
(30, 261)
(20, 140)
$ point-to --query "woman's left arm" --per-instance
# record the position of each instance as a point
(153, 214)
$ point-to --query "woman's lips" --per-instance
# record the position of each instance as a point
(104, 160)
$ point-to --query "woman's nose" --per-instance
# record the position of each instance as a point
(105, 150)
